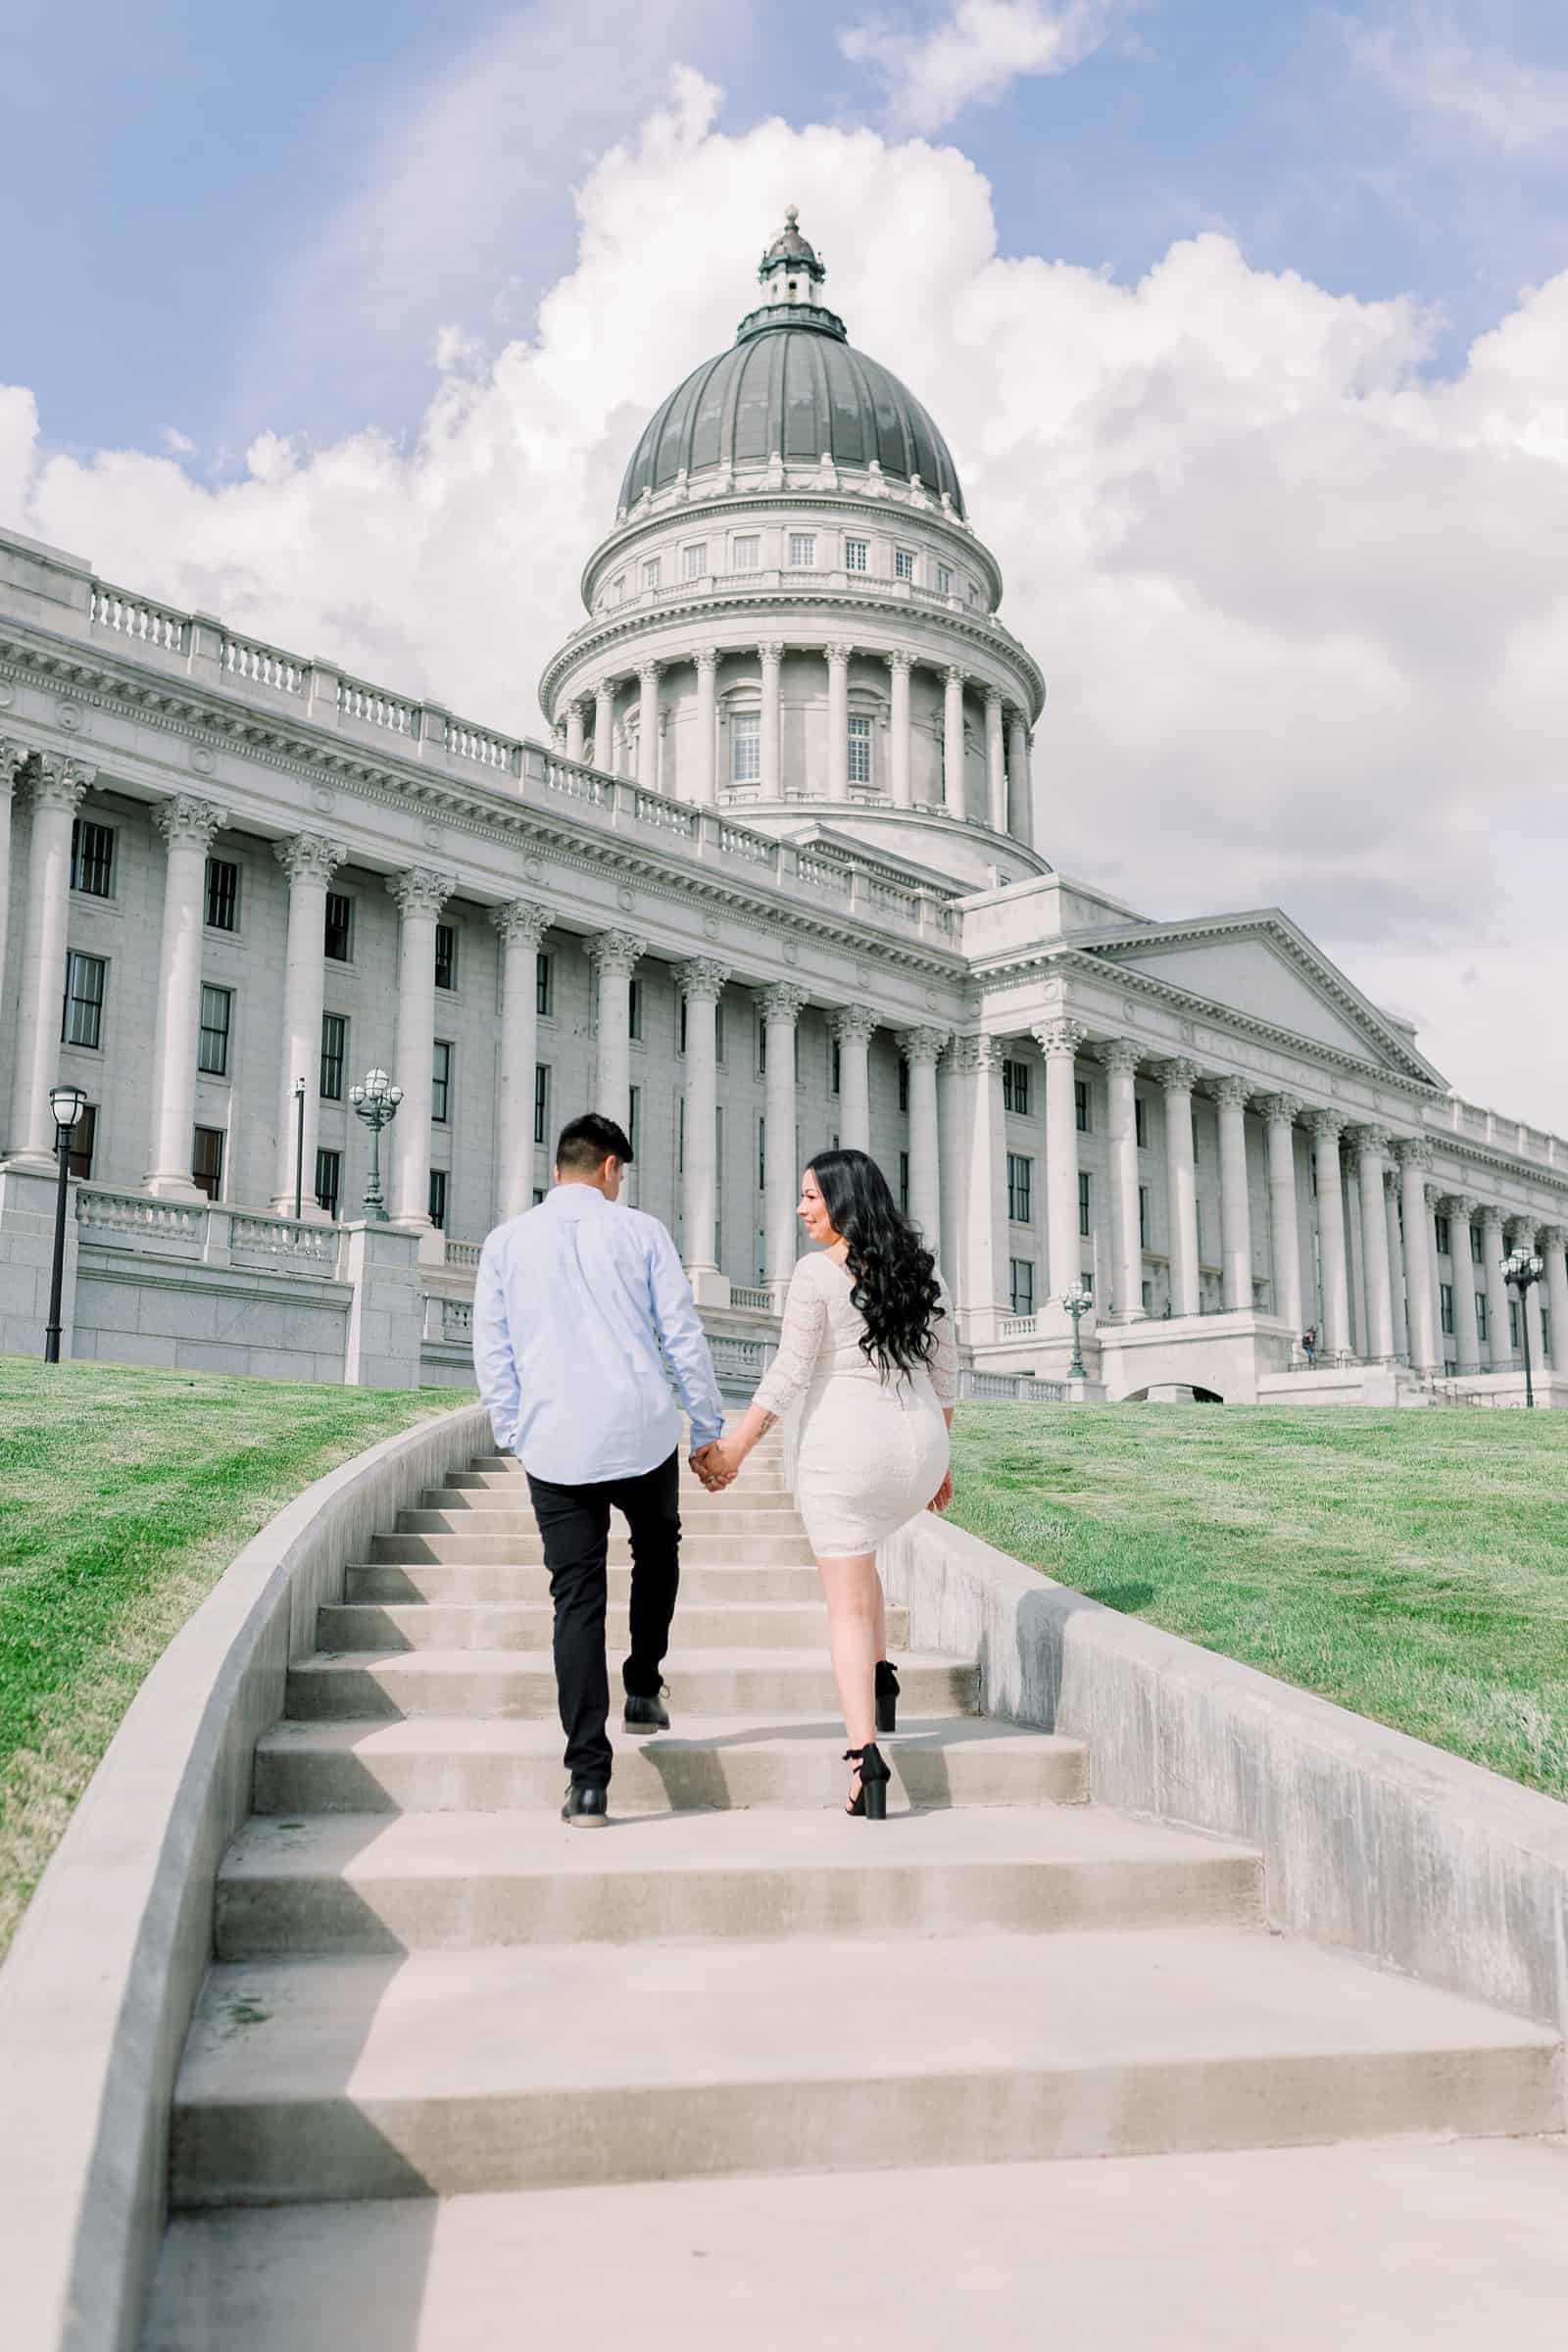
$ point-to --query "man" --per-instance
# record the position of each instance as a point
(578, 1305)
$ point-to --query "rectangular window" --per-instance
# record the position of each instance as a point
(944, 579)
(634, 1008)
(1022, 1285)
(438, 1199)
(618, 588)
(538, 1195)
(1441, 1235)
(1142, 1217)
(207, 1161)
(634, 1120)
(1015, 1086)
(1445, 1306)
(903, 1182)
(1021, 1171)
(803, 550)
(904, 1085)
(1085, 1200)
(746, 746)
(329, 1181)
(1545, 1337)
(1481, 1315)
(212, 1041)
(1146, 1291)
(680, 1024)
(680, 1134)
(835, 1067)
(446, 955)
(1140, 1122)
(718, 1032)
(92, 859)
(1475, 1245)
(761, 1155)
(83, 1139)
(761, 1042)
(1080, 1104)
(651, 571)
(904, 562)
(540, 1101)
(544, 993)
(1513, 1324)
(857, 554)
(81, 1020)
(694, 560)
(338, 944)
(223, 894)
(745, 555)
(441, 1083)
(334, 1054)
(859, 751)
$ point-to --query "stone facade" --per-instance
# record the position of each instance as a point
(250, 869)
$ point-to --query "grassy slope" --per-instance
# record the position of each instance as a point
(1410, 1565)
(123, 1495)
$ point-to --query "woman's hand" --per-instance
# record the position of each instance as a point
(942, 1495)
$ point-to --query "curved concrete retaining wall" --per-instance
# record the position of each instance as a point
(96, 1992)
(1371, 1840)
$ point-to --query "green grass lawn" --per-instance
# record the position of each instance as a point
(1410, 1565)
(124, 1495)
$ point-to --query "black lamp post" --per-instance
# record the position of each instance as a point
(376, 1102)
(1523, 1268)
(1077, 1303)
(68, 1102)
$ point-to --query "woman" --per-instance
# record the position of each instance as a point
(868, 1341)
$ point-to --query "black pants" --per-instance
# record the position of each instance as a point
(574, 1522)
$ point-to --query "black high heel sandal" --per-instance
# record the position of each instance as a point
(886, 1698)
(871, 1798)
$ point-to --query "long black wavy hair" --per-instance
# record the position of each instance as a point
(895, 1275)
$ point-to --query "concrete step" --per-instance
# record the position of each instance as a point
(515, 1625)
(711, 1529)
(427, 1881)
(426, 1580)
(526, 1549)
(467, 1493)
(556, 2064)
(433, 1763)
(760, 1683)
(762, 1462)
(1382, 2246)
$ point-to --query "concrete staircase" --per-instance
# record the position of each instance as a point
(424, 1983)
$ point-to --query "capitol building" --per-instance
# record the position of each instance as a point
(776, 874)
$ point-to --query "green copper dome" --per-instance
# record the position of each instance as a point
(791, 384)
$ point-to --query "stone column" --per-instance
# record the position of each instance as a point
(1460, 1208)
(1421, 1306)
(1119, 1055)
(1059, 1041)
(1522, 1235)
(702, 982)
(1334, 1307)
(982, 1218)
(781, 1010)
(952, 794)
(838, 722)
(852, 1029)
(900, 738)
(605, 725)
(1441, 1360)
(1371, 1145)
(1281, 1111)
(12, 760)
(706, 780)
(1177, 1079)
(1020, 819)
(1493, 1250)
(421, 892)
(188, 825)
(922, 1050)
(58, 787)
(614, 955)
(523, 927)
(310, 862)
(574, 730)
(996, 763)
(1235, 1207)
(647, 725)
(1554, 1249)
(770, 734)
(1396, 1256)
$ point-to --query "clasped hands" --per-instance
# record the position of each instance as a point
(716, 1466)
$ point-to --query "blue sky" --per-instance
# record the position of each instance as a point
(191, 175)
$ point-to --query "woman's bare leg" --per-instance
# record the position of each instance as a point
(853, 1593)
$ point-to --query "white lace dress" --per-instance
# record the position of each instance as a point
(873, 1452)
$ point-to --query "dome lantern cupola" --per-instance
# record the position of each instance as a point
(789, 270)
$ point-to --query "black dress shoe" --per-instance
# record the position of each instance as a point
(646, 1714)
(586, 1808)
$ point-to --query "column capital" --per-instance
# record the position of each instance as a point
(1368, 1142)
(1178, 1076)
(701, 979)
(1521, 1233)
(838, 653)
(312, 855)
(520, 923)
(1234, 1093)
(1327, 1125)
(1058, 1035)
(1458, 1205)
(14, 758)
(604, 691)
(1492, 1217)
(899, 659)
(854, 1021)
(1549, 1237)
(923, 1047)
(994, 699)
(952, 673)
(978, 1056)
(60, 782)
(420, 889)
(1119, 1052)
(1412, 1151)
(1433, 1194)
(781, 1000)
(1280, 1110)
(769, 654)
(186, 822)
(616, 951)
(648, 671)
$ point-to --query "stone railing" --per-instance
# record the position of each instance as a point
(262, 665)
(135, 617)
(753, 1301)
(312, 1246)
(1010, 1388)
(463, 1253)
(1018, 1327)
(209, 1232)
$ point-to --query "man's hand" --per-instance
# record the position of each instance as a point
(942, 1495)
(711, 1468)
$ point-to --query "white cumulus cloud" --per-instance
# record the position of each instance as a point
(975, 52)
(1299, 599)
(1501, 101)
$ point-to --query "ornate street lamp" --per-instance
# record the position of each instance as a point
(68, 1102)
(1522, 1267)
(376, 1102)
(1078, 1303)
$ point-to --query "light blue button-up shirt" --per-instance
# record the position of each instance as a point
(578, 1306)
